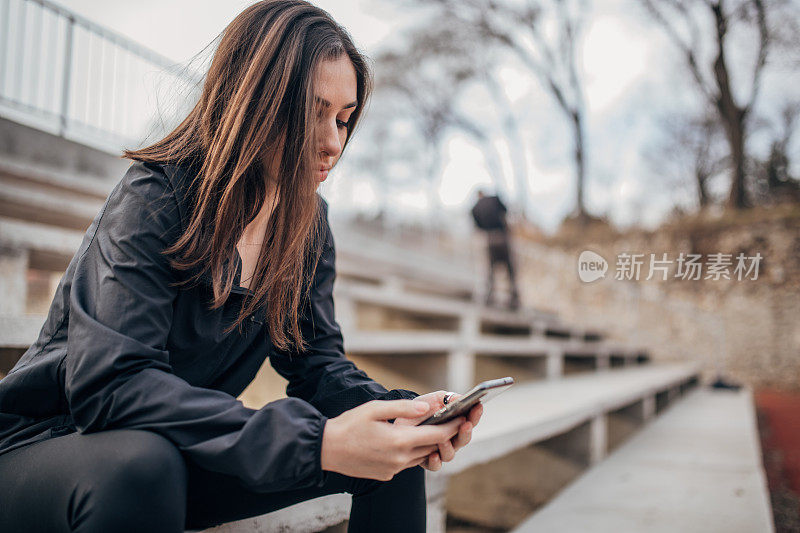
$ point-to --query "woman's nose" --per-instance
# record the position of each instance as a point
(329, 142)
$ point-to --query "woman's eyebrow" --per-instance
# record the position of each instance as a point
(326, 103)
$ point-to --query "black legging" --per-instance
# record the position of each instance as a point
(133, 480)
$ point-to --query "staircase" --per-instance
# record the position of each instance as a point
(572, 384)
(410, 320)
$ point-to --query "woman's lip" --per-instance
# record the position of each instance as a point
(322, 174)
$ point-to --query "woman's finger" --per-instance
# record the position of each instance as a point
(463, 437)
(434, 462)
(475, 414)
(420, 454)
(446, 451)
(423, 451)
(421, 461)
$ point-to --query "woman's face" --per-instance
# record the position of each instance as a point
(336, 95)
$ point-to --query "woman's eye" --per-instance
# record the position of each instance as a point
(341, 123)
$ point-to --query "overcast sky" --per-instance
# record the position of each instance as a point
(625, 95)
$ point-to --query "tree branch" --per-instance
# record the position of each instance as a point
(764, 42)
(686, 49)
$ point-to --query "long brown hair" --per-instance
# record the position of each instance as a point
(258, 102)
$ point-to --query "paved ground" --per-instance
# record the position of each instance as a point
(696, 468)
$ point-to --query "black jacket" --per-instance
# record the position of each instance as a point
(121, 348)
(489, 213)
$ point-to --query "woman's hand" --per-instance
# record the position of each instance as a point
(446, 450)
(360, 442)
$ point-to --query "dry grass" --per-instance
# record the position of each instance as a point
(573, 233)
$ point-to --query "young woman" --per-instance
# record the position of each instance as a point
(211, 254)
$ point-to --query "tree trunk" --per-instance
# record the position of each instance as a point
(738, 194)
(702, 192)
(577, 126)
(732, 116)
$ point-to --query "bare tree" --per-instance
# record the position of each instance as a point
(690, 146)
(524, 29)
(775, 182)
(425, 92)
(683, 22)
(423, 77)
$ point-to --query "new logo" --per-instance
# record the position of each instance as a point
(591, 266)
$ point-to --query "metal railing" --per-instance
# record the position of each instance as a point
(66, 75)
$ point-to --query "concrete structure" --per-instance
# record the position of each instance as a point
(697, 469)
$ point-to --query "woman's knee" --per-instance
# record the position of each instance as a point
(138, 483)
(141, 459)
(411, 480)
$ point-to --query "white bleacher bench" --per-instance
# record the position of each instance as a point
(20, 331)
(532, 412)
(305, 517)
(466, 341)
(438, 306)
(62, 209)
(46, 245)
(46, 177)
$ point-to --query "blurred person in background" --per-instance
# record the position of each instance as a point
(211, 254)
(489, 214)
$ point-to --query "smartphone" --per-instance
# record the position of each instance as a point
(482, 391)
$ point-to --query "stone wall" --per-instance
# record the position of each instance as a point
(748, 330)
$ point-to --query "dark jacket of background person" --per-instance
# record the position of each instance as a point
(489, 213)
(121, 348)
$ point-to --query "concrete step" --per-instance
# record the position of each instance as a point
(50, 247)
(37, 192)
(416, 341)
(400, 300)
(449, 361)
(375, 266)
(55, 179)
(374, 259)
(20, 331)
(697, 468)
(28, 201)
(58, 219)
(532, 412)
(305, 517)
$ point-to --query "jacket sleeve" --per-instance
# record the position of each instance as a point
(474, 212)
(500, 205)
(117, 369)
(322, 375)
